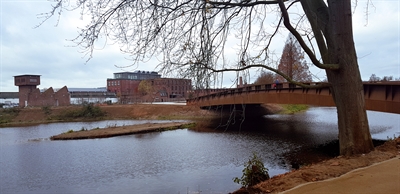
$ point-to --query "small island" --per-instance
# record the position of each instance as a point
(121, 130)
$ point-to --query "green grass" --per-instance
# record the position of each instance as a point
(293, 108)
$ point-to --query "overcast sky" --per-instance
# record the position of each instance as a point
(46, 50)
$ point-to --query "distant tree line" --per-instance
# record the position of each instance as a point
(375, 78)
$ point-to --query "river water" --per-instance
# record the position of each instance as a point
(179, 161)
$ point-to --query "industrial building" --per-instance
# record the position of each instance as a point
(126, 85)
(30, 95)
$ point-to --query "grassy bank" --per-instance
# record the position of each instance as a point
(293, 108)
(48, 114)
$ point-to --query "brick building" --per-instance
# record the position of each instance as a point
(126, 86)
(30, 95)
(171, 88)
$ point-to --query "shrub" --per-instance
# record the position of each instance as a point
(46, 110)
(87, 111)
(254, 172)
(91, 111)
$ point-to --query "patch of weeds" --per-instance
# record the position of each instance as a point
(162, 118)
(254, 172)
(189, 125)
(70, 131)
(8, 114)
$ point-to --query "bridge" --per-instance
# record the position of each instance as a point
(384, 97)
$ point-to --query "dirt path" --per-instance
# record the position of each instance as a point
(383, 177)
(329, 169)
(117, 131)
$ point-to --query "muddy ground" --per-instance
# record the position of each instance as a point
(328, 168)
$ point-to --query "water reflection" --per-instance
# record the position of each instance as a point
(179, 161)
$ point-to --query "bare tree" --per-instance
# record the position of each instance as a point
(265, 78)
(146, 90)
(374, 78)
(292, 62)
(192, 37)
(387, 78)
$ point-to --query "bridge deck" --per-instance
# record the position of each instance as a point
(384, 97)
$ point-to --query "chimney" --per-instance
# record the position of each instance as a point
(240, 82)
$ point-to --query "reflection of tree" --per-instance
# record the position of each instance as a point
(292, 62)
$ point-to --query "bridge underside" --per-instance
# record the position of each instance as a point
(239, 110)
(378, 97)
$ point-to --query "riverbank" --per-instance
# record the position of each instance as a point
(122, 130)
(40, 115)
(333, 168)
(326, 169)
(362, 180)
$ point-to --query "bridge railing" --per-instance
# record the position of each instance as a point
(378, 96)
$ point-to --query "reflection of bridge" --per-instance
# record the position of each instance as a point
(384, 97)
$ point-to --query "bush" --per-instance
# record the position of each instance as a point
(254, 172)
(87, 111)
(91, 111)
(46, 110)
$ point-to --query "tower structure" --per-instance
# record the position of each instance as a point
(26, 85)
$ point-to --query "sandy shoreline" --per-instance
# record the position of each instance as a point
(122, 130)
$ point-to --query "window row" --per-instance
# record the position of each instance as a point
(113, 83)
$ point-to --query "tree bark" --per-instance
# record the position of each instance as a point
(347, 86)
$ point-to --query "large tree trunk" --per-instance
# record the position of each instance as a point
(347, 87)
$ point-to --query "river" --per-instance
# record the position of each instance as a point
(179, 161)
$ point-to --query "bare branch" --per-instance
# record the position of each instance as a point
(308, 51)
(323, 85)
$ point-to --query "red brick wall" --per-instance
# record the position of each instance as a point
(127, 90)
(62, 97)
(34, 97)
(23, 94)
